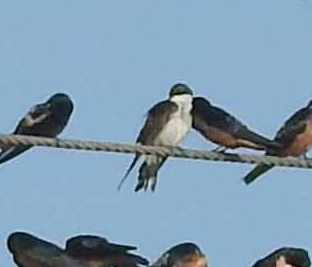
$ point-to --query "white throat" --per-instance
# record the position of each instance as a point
(186, 98)
(184, 103)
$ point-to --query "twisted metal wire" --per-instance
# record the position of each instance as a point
(6, 139)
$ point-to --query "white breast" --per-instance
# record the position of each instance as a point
(179, 124)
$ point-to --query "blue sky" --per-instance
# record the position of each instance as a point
(116, 59)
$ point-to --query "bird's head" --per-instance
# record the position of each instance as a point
(180, 89)
(60, 106)
(186, 252)
(19, 241)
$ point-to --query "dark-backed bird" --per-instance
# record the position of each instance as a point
(46, 119)
(295, 138)
(30, 251)
(285, 257)
(167, 123)
(95, 251)
(182, 255)
(218, 126)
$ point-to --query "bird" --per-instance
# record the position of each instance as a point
(167, 124)
(285, 257)
(218, 126)
(295, 137)
(96, 251)
(46, 119)
(182, 255)
(31, 251)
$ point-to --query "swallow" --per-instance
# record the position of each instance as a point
(285, 257)
(47, 119)
(218, 126)
(295, 138)
(95, 251)
(182, 255)
(30, 251)
(167, 123)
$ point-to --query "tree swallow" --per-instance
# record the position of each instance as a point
(167, 123)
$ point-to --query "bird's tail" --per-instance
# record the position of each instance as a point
(148, 172)
(137, 156)
(256, 172)
(12, 152)
(262, 143)
(137, 259)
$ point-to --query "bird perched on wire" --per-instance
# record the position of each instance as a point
(95, 251)
(167, 123)
(295, 137)
(182, 255)
(218, 126)
(285, 257)
(30, 251)
(47, 119)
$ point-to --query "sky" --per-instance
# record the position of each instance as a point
(116, 59)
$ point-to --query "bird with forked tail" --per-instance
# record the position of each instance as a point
(46, 119)
(295, 138)
(218, 126)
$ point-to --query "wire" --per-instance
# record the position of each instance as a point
(6, 139)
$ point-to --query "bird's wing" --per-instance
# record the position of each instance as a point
(295, 125)
(34, 116)
(205, 113)
(28, 125)
(30, 251)
(93, 246)
(157, 117)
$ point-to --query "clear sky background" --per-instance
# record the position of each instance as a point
(116, 59)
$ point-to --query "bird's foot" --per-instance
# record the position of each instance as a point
(220, 149)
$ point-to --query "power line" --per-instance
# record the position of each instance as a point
(6, 139)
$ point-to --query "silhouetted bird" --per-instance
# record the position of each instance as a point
(30, 251)
(47, 119)
(182, 255)
(220, 127)
(95, 251)
(295, 137)
(285, 257)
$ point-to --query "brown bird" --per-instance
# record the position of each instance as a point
(285, 257)
(182, 255)
(218, 126)
(46, 119)
(295, 137)
(95, 251)
(30, 251)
